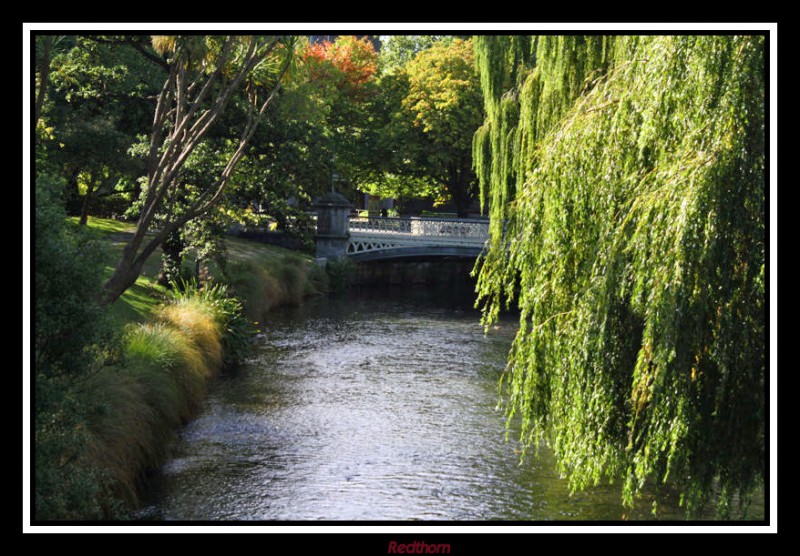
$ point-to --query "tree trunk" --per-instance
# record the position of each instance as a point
(44, 77)
(458, 185)
(187, 108)
(125, 275)
(73, 200)
(172, 259)
(87, 200)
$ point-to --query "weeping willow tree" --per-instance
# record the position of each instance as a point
(625, 181)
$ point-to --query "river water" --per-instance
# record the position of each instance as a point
(379, 404)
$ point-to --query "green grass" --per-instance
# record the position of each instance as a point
(103, 226)
(139, 301)
(136, 304)
(244, 250)
(171, 346)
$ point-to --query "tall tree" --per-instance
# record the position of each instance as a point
(430, 108)
(444, 99)
(205, 74)
(625, 180)
(100, 106)
(44, 46)
(398, 50)
(344, 74)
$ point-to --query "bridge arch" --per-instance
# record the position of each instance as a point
(416, 252)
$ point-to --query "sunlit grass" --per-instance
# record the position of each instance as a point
(139, 301)
(246, 250)
(103, 226)
(170, 348)
(195, 320)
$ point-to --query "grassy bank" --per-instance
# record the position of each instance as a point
(262, 276)
(136, 405)
(153, 374)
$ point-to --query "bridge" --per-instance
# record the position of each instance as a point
(371, 239)
(390, 238)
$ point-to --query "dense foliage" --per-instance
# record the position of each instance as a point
(68, 324)
(626, 183)
(427, 113)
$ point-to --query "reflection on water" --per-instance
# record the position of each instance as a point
(376, 405)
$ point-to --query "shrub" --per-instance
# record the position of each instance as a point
(68, 325)
(66, 486)
(68, 273)
(340, 273)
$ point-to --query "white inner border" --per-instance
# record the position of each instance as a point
(420, 28)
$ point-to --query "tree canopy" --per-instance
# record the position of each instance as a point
(205, 74)
(625, 179)
(426, 114)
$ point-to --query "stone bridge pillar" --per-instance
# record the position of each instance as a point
(333, 225)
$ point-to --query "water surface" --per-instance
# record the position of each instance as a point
(375, 405)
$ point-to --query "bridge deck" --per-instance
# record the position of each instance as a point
(396, 237)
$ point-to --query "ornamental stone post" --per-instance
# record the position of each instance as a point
(333, 225)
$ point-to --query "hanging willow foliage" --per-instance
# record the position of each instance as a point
(625, 181)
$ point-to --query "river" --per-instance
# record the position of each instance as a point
(378, 404)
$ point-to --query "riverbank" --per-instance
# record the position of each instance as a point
(164, 350)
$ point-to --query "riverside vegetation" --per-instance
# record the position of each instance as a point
(112, 388)
(625, 179)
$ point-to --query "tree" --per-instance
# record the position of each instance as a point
(309, 132)
(344, 74)
(205, 74)
(44, 46)
(625, 181)
(100, 105)
(348, 63)
(431, 108)
(399, 50)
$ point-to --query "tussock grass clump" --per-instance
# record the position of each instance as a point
(291, 274)
(259, 289)
(168, 352)
(126, 432)
(265, 285)
(159, 383)
(196, 320)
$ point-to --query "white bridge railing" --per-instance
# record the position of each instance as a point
(372, 234)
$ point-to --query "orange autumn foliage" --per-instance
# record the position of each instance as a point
(349, 61)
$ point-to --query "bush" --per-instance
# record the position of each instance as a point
(66, 486)
(68, 280)
(340, 273)
(69, 325)
(266, 285)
